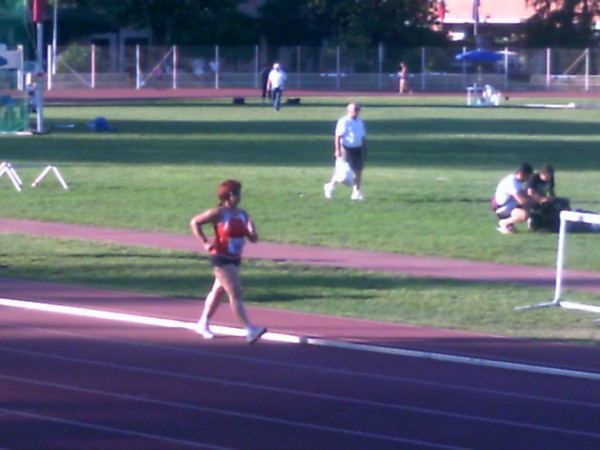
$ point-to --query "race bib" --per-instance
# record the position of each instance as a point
(235, 246)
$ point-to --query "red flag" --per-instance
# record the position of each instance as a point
(442, 10)
(39, 10)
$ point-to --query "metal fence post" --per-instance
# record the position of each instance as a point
(39, 85)
(50, 62)
(587, 69)
(337, 68)
(379, 65)
(505, 68)
(217, 67)
(298, 63)
(548, 68)
(175, 67)
(137, 66)
(93, 66)
(423, 68)
(256, 66)
(464, 68)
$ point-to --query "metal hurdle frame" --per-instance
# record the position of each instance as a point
(11, 173)
(50, 168)
(567, 216)
(8, 169)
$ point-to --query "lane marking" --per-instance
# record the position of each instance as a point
(95, 427)
(520, 367)
(211, 410)
(247, 385)
(289, 338)
(287, 364)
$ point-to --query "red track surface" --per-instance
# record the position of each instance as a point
(154, 94)
(72, 383)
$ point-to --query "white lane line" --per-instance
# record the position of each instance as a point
(140, 320)
(95, 427)
(288, 338)
(204, 351)
(545, 370)
(271, 389)
(206, 409)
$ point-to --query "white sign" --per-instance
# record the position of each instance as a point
(10, 59)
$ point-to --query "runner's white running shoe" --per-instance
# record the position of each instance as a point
(254, 334)
(204, 330)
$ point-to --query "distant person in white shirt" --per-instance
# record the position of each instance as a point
(275, 85)
(351, 145)
(510, 201)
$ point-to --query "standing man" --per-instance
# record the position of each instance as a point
(264, 79)
(511, 202)
(275, 84)
(350, 144)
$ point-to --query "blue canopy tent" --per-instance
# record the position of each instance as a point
(479, 56)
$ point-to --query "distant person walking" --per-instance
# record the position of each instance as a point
(350, 143)
(264, 79)
(232, 226)
(402, 78)
(275, 84)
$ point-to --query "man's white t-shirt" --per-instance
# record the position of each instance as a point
(277, 78)
(506, 193)
(351, 130)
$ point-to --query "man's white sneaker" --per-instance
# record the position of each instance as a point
(328, 190)
(356, 195)
(254, 334)
(204, 330)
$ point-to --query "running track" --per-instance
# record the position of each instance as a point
(71, 382)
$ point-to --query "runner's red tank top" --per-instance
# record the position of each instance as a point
(230, 234)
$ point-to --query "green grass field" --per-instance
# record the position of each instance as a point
(432, 168)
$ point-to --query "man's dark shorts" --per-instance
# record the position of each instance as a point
(354, 157)
(220, 260)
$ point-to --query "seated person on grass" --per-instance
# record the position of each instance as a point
(545, 215)
(540, 187)
(510, 201)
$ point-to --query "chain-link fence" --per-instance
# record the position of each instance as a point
(324, 68)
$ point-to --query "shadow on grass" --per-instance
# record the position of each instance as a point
(420, 143)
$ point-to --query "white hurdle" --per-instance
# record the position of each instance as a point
(7, 169)
(11, 173)
(567, 216)
(45, 172)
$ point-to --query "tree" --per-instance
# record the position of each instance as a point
(406, 23)
(183, 22)
(290, 23)
(562, 23)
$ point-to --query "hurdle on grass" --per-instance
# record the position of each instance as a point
(46, 171)
(8, 169)
(565, 217)
(11, 173)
